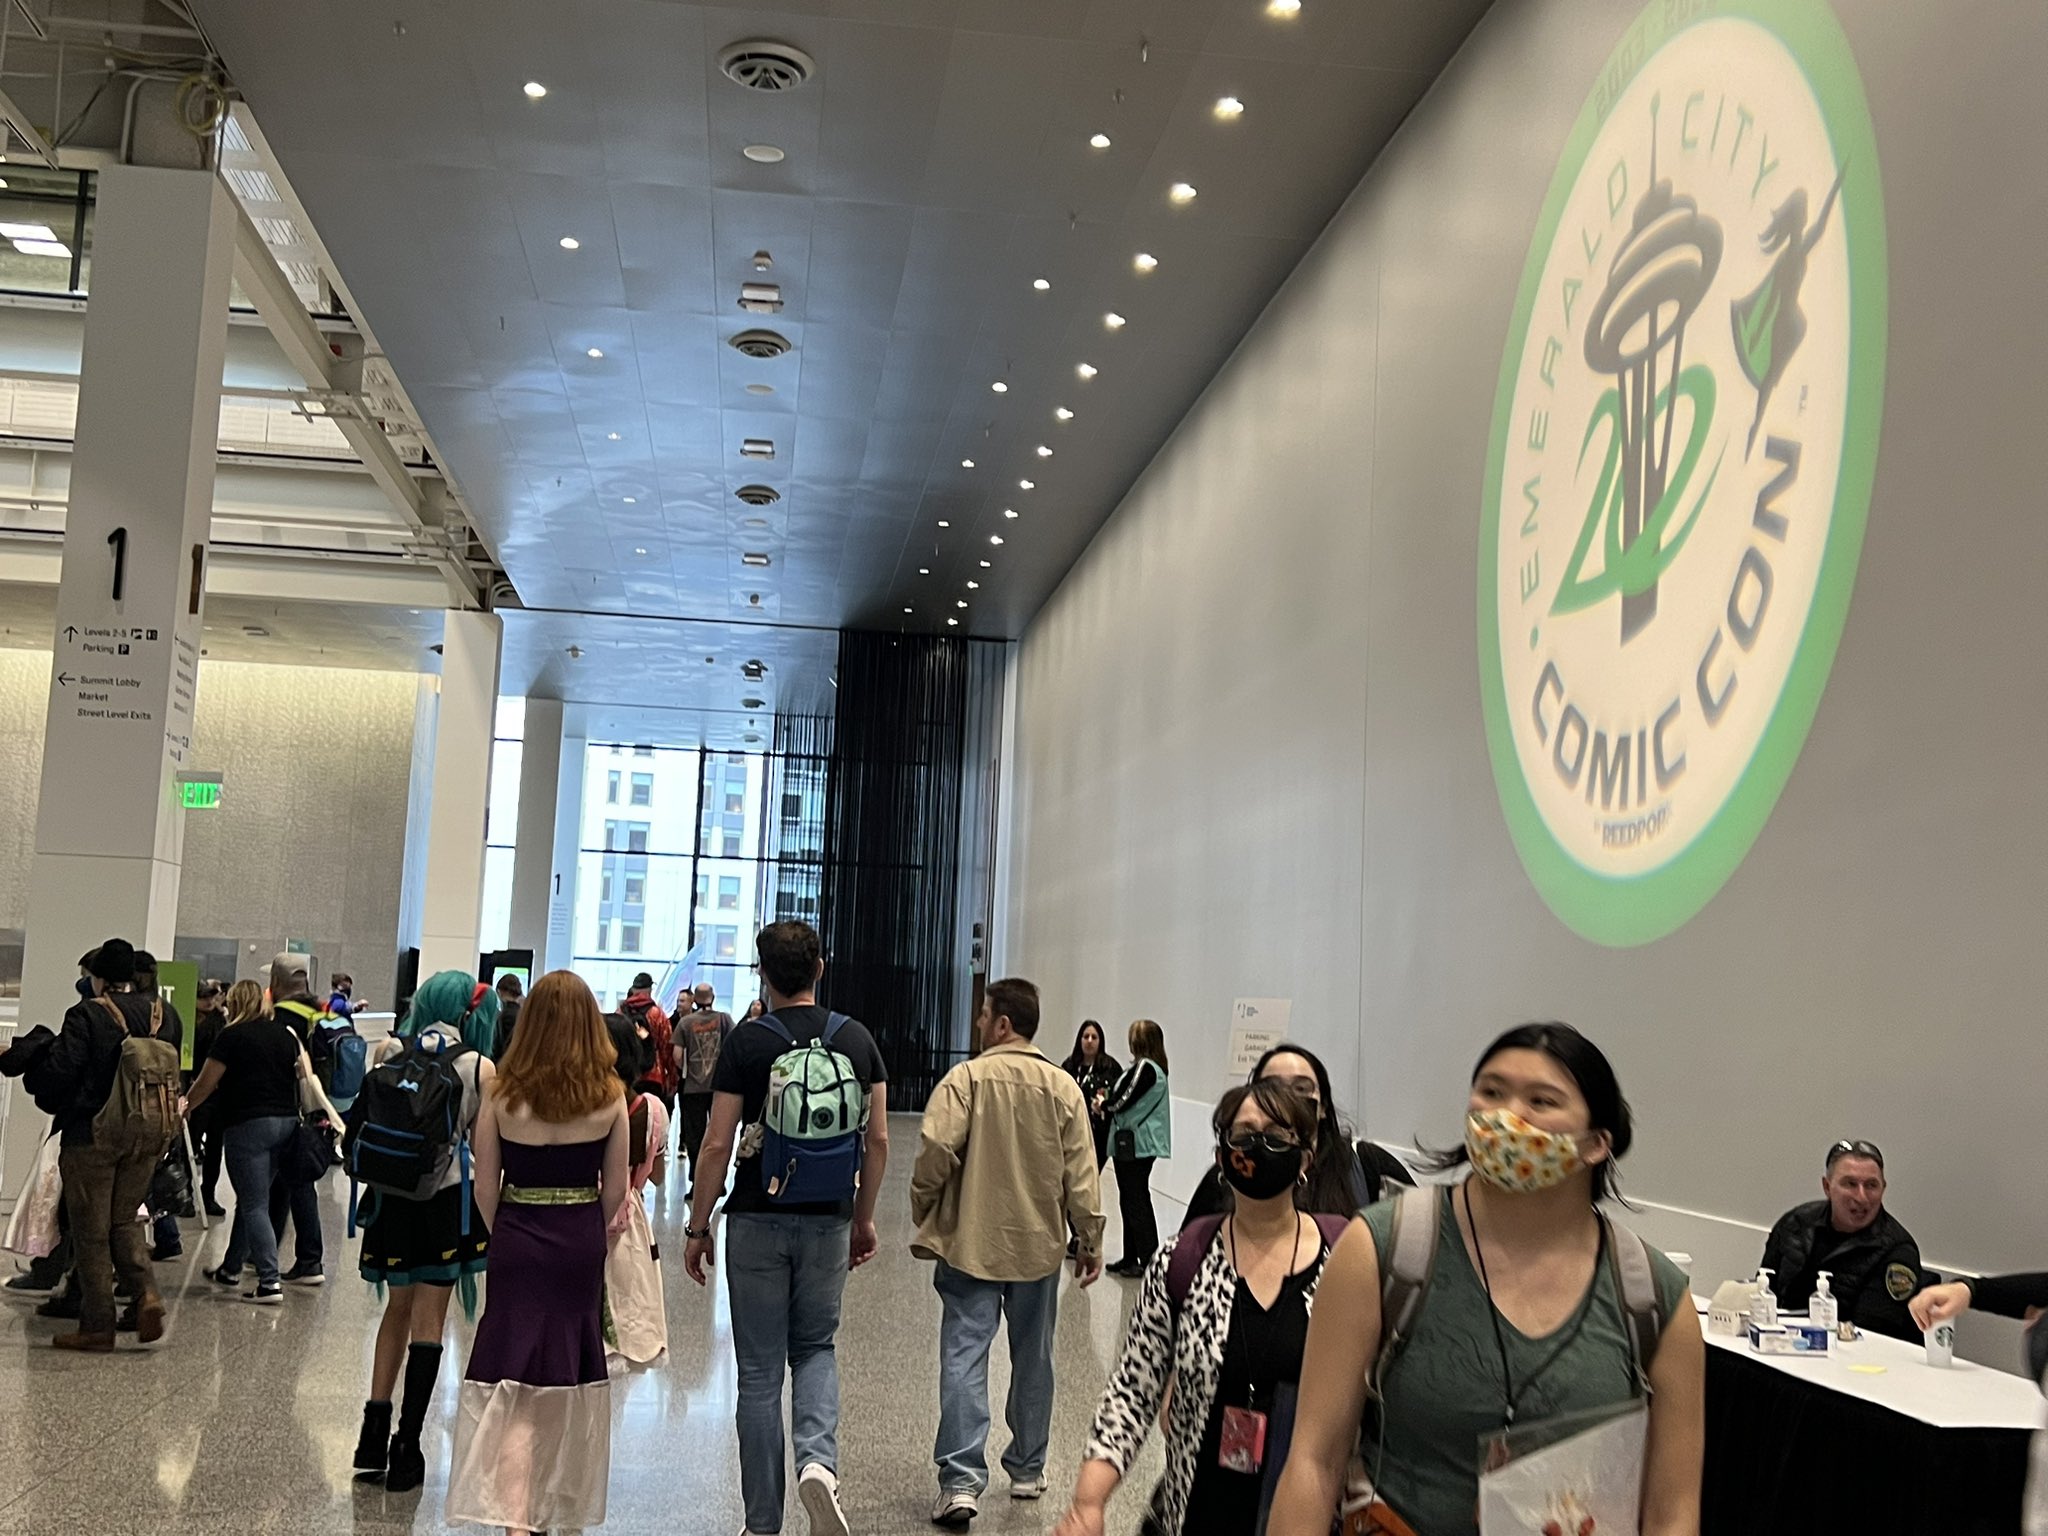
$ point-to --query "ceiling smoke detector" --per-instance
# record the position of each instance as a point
(758, 495)
(757, 448)
(760, 344)
(762, 65)
(760, 298)
(754, 557)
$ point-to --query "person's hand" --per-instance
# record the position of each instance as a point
(184, 1106)
(866, 1241)
(697, 1257)
(1939, 1303)
(1080, 1520)
(1088, 1269)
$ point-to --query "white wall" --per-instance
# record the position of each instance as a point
(1250, 756)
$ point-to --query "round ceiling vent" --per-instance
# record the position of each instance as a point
(758, 495)
(761, 65)
(760, 344)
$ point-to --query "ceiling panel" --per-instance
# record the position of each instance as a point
(936, 163)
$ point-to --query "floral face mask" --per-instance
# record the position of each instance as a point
(1508, 1151)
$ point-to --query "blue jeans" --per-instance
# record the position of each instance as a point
(786, 1276)
(255, 1153)
(967, 1329)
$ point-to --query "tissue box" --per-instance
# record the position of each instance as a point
(1791, 1339)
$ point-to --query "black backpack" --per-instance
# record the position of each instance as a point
(405, 1127)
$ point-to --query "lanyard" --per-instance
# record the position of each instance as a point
(1241, 1335)
(1570, 1333)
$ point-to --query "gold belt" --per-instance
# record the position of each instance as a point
(585, 1195)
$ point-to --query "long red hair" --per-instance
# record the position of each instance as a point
(561, 1062)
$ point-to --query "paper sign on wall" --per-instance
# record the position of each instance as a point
(1257, 1024)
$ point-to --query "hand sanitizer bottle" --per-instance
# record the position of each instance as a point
(1824, 1311)
(1763, 1312)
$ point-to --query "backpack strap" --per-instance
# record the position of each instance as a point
(1189, 1249)
(1331, 1226)
(1411, 1261)
(834, 1022)
(779, 1027)
(1635, 1285)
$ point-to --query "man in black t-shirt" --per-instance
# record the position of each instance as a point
(786, 1262)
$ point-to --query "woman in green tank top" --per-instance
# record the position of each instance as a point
(1520, 1322)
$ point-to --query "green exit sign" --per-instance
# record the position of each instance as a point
(199, 797)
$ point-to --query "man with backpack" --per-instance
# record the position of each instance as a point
(167, 1242)
(811, 1090)
(112, 1087)
(648, 1015)
(700, 1036)
(1006, 1160)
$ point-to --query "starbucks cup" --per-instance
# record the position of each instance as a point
(1941, 1344)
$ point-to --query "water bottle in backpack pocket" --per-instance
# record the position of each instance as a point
(814, 1121)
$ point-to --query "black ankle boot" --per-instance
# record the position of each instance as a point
(406, 1468)
(376, 1431)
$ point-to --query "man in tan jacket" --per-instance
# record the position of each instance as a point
(1005, 1162)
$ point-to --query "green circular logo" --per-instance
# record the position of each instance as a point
(1684, 438)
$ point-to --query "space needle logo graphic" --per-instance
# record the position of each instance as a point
(1684, 438)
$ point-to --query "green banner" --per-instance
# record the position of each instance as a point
(178, 983)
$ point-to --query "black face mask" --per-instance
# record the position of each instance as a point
(85, 988)
(1259, 1172)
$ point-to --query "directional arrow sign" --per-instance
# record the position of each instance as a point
(64, 678)
(70, 631)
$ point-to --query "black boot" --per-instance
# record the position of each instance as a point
(370, 1443)
(408, 1468)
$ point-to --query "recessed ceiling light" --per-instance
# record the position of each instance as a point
(1229, 106)
(1040, 284)
(27, 232)
(639, 551)
(974, 586)
(1044, 452)
(611, 437)
(760, 389)
(984, 565)
(1086, 370)
(753, 557)
(1114, 321)
(995, 538)
(924, 570)
(1009, 511)
(955, 623)
(1099, 141)
(593, 351)
(631, 501)
(1063, 414)
(1000, 387)
(571, 243)
(967, 463)
(1145, 261)
(1181, 192)
(1027, 485)
(959, 602)
(763, 154)
(535, 90)
(1283, 7)
(944, 524)
(906, 610)
(754, 522)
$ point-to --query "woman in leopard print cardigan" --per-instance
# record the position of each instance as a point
(1265, 1246)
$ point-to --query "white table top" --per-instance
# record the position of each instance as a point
(1964, 1396)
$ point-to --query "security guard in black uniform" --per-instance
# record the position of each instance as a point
(1872, 1260)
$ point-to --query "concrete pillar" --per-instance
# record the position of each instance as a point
(452, 910)
(568, 840)
(109, 829)
(533, 851)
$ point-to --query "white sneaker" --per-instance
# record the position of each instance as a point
(1028, 1488)
(818, 1490)
(955, 1510)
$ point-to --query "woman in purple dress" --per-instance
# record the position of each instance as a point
(533, 1437)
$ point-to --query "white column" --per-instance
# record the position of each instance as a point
(471, 644)
(109, 832)
(568, 842)
(533, 853)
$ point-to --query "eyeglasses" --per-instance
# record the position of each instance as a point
(1260, 1141)
(1842, 1149)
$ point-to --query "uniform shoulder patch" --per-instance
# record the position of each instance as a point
(1900, 1282)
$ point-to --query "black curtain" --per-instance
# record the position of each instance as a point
(888, 891)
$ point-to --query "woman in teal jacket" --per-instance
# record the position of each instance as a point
(1140, 1133)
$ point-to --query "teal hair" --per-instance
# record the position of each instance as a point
(443, 998)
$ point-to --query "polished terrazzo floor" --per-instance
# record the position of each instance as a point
(244, 1419)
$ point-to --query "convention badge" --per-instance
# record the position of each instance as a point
(1242, 1445)
(1900, 1281)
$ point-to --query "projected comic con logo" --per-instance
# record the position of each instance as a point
(1683, 442)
